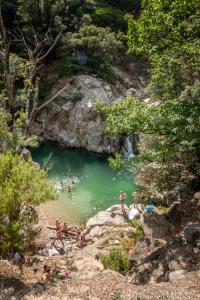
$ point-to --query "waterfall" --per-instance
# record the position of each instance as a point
(127, 149)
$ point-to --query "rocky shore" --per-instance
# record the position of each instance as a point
(163, 261)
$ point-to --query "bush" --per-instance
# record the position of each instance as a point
(116, 260)
(109, 16)
(97, 43)
(21, 187)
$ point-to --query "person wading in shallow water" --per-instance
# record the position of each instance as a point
(122, 198)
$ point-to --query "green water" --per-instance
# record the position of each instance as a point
(97, 185)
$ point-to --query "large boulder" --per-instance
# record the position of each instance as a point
(192, 234)
(174, 216)
(197, 196)
(155, 225)
(175, 275)
(106, 218)
(88, 267)
(139, 251)
(9, 270)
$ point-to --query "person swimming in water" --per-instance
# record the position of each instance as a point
(69, 188)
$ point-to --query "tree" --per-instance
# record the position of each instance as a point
(167, 33)
(39, 14)
(21, 184)
(97, 42)
(20, 75)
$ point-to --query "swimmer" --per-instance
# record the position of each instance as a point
(62, 184)
(69, 188)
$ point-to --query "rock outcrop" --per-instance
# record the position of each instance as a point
(72, 118)
(155, 225)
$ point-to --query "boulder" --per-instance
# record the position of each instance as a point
(88, 267)
(106, 218)
(139, 251)
(116, 209)
(175, 275)
(197, 196)
(26, 154)
(174, 216)
(192, 234)
(9, 270)
(155, 225)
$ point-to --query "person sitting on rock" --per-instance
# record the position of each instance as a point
(81, 239)
(48, 274)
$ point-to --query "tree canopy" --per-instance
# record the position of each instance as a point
(167, 33)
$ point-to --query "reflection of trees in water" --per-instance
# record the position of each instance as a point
(47, 164)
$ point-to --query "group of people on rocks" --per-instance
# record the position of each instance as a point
(63, 231)
(138, 198)
(139, 204)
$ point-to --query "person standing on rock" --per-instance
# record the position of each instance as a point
(122, 198)
(58, 237)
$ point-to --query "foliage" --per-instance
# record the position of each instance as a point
(117, 296)
(164, 210)
(139, 231)
(20, 184)
(109, 16)
(55, 13)
(116, 261)
(97, 42)
(128, 5)
(14, 140)
(167, 32)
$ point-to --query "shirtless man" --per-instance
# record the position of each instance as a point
(58, 237)
(81, 239)
(58, 224)
(58, 233)
(122, 198)
(65, 229)
(48, 274)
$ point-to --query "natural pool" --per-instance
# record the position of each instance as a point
(97, 185)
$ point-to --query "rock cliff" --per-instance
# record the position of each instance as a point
(72, 118)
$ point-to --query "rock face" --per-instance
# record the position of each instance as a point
(109, 218)
(155, 225)
(192, 234)
(72, 118)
